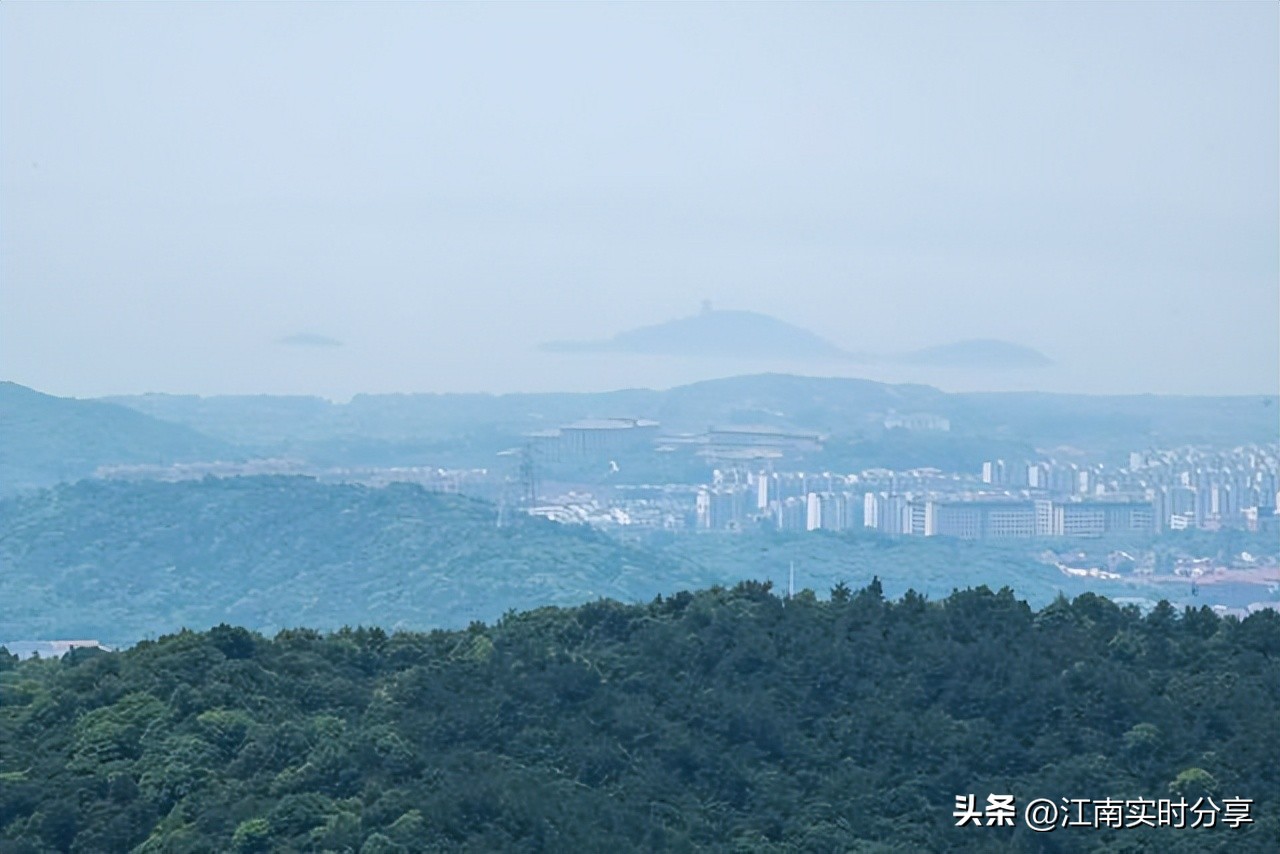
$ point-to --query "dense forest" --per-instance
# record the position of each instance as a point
(726, 720)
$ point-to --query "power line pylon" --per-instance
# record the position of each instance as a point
(528, 475)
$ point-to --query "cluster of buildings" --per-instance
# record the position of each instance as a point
(1197, 489)
(1157, 491)
(1184, 488)
(792, 501)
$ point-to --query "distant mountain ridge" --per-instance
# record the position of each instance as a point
(836, 405)
(751, 335)
(46, 439)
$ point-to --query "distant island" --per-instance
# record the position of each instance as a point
(744, 335)
(714, 333)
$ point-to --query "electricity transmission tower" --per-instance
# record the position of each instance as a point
(521, 489)
(528, 475)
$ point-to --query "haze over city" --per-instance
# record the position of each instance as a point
(332, 199)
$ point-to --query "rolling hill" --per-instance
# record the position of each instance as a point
(46, 439)
(120, 560)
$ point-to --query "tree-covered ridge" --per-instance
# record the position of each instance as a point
(122, 561)
(726, 720)
(46, 439)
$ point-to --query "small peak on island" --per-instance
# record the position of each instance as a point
(714, 332)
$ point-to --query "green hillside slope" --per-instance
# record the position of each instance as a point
(121, 561)
(46, 440)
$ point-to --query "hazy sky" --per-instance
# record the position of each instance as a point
(441, 187)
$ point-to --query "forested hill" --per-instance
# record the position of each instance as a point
(46, 439)
(121, 561)
(728, 720)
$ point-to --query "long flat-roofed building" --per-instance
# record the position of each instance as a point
(596, 437)
(972, 520)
